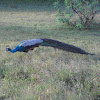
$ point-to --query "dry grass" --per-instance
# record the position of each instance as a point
(46, 74)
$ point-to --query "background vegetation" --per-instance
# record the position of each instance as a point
(46, 74)
(78, 13)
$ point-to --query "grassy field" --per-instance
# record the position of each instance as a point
(46, 74)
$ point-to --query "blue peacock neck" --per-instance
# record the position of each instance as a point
(14, 50)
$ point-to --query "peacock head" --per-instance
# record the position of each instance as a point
(8, 49)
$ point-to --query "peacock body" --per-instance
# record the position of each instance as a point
(27, 45)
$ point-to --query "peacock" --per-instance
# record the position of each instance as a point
(27, 45)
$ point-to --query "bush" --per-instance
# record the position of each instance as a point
(78, 13)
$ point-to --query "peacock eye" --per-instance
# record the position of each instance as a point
(7, 49)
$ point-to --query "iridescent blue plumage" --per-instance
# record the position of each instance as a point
(14, 50)
(18, 48)
(27, 45)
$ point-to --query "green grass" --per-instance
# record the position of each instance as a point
(46, 74)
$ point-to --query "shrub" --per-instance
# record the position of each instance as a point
(78, 13)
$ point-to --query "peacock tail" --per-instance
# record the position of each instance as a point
(63, 46)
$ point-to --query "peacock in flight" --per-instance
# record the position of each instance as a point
(27, 45)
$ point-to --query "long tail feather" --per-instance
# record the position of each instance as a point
(63, 46)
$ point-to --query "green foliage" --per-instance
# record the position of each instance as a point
(78, 13)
